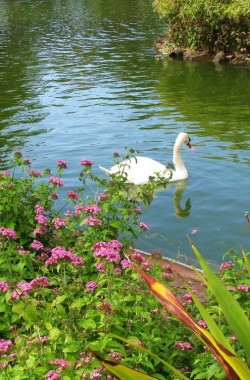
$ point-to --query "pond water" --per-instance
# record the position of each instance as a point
(79, 79)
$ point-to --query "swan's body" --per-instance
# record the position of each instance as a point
(139, 170)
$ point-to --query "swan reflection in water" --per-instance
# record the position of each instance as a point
(180, 186)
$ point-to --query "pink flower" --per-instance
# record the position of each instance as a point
(95, 374)
(167, 275)
(60, 253)
(107, 250)
(106, 307)
(14, 295)
(39, 209)
(243, 288)
(103, 197)
(126, 264)
(5, 173)
(26, 161)
(53, 375)
(187, 297)
(144, 226)
(5, 345)
(86, 162)
(79, 209)
(73, 195)
(34, 173)
(92, 221)
(54, 195)
(39, 231)
(59, 222)
(37, 245)
(62, 164)
(100, 267)
(202, 323)
(56, 181)
(18, 153)
(41, 219)
(42, 282)
(92, 285)
(116, 355)
(227, 264)
(118, 270)
(61, 363)
(137, 256)
(4, 286)
(91, 209)
(25, 287)
(184, 346)
(8, 233)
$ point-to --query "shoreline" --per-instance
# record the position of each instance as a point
(182, 273)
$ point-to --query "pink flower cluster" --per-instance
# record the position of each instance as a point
(62, 164)
(53, 375)
(184, 346)
(137, 256)
(5, 173)
(59, 222)
(22, 288)
(60, 253)
(107, 250)
(5, 345)
(56, 181)
(91, 209)
(86, 162)
(243, 288)
(144, 226)
(92, 221)
(73, 195)
(226, 265)
(202, 323)
(61, 363)
(8, 233)
(39, 209)
(4, 286)
(37, 245)
(187, 297)
(41, 220)
(92, 285)
(34, 173)
(26, 161)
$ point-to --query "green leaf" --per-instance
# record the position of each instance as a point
(132, 341)
(233, 366)
(123, 372)
(79, 302)
(30, 313)
(229, 305)
(54, 333)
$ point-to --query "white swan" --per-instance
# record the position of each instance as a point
(138, 170)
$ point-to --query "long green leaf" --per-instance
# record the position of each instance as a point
(231, 308)
(212, 326)
(246, 260)
(169, 366)
(123, 372)
(233, 366)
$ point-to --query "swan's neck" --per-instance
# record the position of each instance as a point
(177, 158)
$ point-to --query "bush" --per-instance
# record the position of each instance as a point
(207, 25)
(65, 281)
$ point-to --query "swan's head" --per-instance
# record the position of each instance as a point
(182, 138)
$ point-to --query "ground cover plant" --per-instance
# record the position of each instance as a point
(66, 282)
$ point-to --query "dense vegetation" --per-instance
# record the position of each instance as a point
(212, 25)
(69, 290)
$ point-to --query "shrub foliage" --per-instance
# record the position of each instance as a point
(207, 25)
